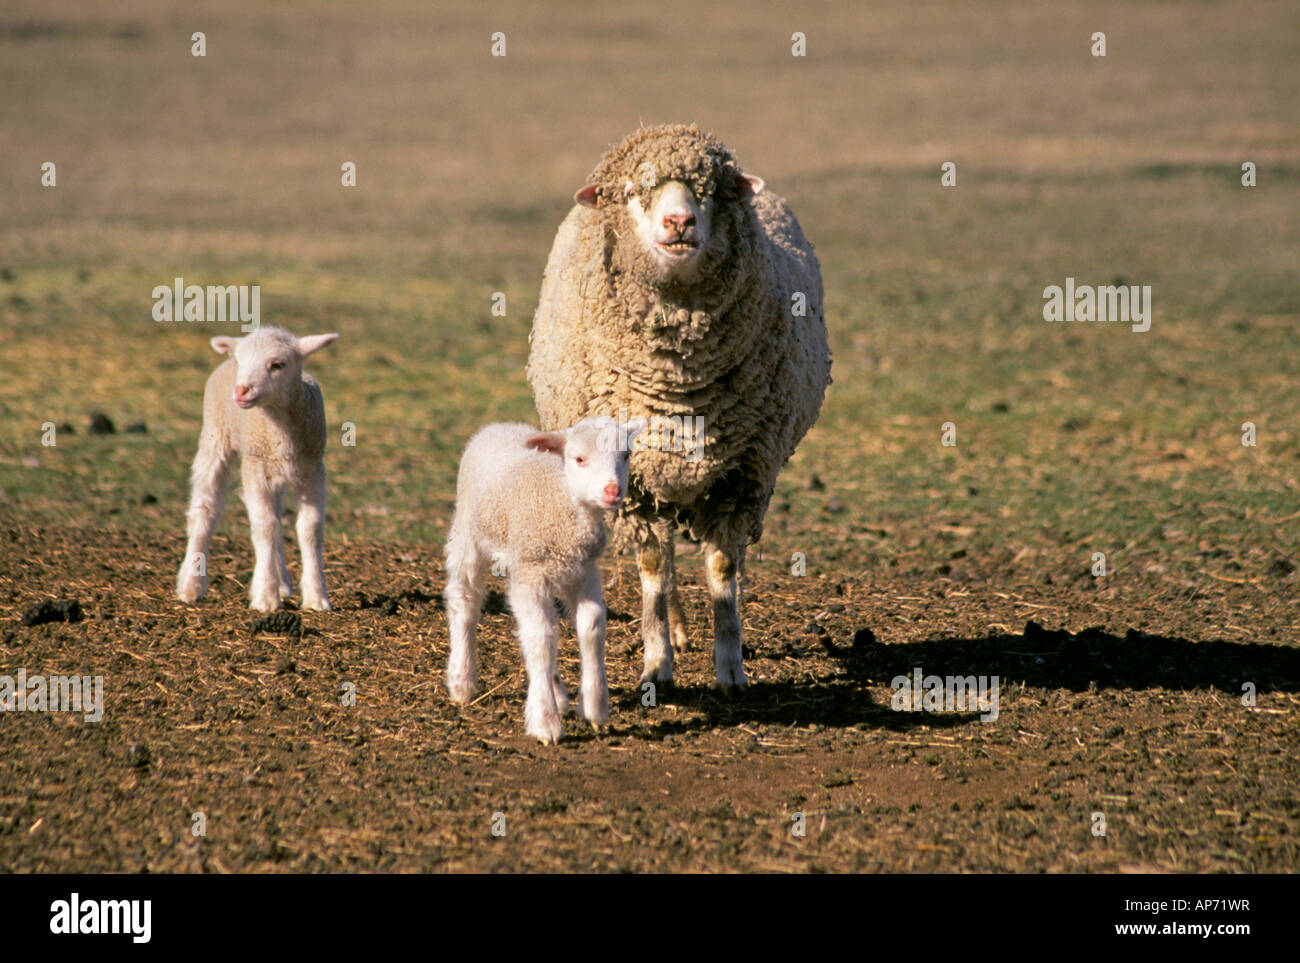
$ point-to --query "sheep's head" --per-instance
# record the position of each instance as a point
(268, 362)
(596, 452)
(669, 182)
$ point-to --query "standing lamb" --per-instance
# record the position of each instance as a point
(678, 290)
(534, 502)
(262, 404)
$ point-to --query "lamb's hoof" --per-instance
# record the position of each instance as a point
(461, 691)
(190, 587)
(547, 737)
(317, 605)
(265, 605)
(597, 716)
(681, 641)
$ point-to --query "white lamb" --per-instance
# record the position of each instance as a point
(532, 502)
(262, 405)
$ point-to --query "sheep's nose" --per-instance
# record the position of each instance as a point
(240, 391)
(679, 222)
(613, 490)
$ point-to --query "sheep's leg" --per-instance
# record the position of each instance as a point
(262, 499)
(535, 612)
(676, 617)
(656, 589)
(466, 585)
(720, 566)
(589, 620)
(311, 541)
(207, 494)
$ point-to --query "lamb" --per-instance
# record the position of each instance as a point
(261, 404)
(533, 502)
(679, 290)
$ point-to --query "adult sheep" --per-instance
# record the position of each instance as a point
(679, 290)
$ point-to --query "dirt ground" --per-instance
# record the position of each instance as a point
(252, 731)
(1120, 695)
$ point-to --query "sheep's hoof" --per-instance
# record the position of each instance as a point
(319, 605)
(731, 681)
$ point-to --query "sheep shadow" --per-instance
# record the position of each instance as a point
(1085, 661)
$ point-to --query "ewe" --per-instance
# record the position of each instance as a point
(262, 405)
(532, 503)
(679, 290)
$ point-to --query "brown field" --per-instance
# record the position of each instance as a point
(1121, 695)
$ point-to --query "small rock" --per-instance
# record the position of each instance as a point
(67, 610)
(148, 499)
(816, 484)
(138, 755)
(835, 506)
(136, 428)
(863, 637)
(1281, 567)
(101, 424)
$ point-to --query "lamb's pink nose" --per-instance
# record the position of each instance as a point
(612, 490)
(679, 222)
(240, 392)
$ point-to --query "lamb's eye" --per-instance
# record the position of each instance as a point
(580, 460)
(276, 365)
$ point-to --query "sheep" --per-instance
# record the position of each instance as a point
(679, 290)
(261, 404)
(533, 502)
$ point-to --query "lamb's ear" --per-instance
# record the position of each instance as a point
(314, 342)
(747, 185)
(224, 345)
(548, 441)
(589, 196)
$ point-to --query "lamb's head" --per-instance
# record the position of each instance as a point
(268, 364)
(669, 184)
(596, 453)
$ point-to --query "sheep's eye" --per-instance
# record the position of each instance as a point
(276, 365)
(580, 460)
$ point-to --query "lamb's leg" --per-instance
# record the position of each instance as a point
(311, 539)
(535, 613)
(466, 585)
(589, 620)
(207, 493)
(262, 499)
(656, 588)
(286, 580)
(720, 566)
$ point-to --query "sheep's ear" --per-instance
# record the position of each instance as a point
(224, 345)
(589, 196)
(314, 342)
(548, 441)
(747, 185)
